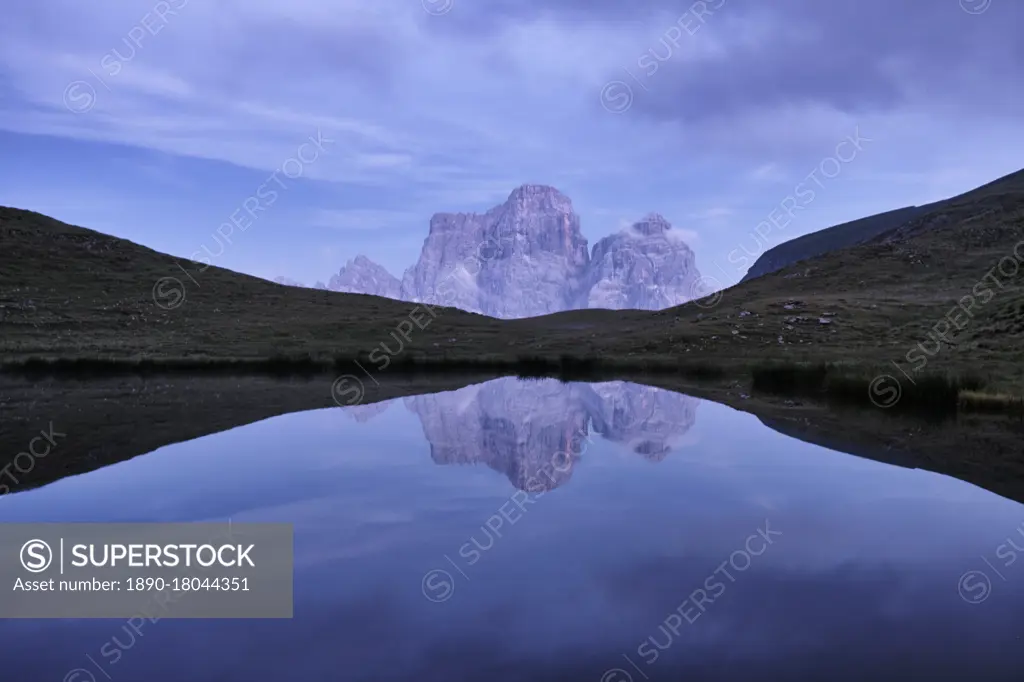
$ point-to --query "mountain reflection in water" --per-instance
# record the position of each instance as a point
(535, 431)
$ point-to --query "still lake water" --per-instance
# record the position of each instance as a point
(544, 531)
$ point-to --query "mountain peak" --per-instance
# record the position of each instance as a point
(532, 189)
(540, 196)
(651, 224)
(363, 276)
(645, 266)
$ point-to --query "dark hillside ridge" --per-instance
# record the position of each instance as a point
(830, 239)
(901, 222)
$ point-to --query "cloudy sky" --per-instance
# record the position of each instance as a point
(157, 121)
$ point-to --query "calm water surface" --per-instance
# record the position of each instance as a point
(545, 531)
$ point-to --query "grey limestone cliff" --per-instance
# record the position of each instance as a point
(523, 258)
(648, 266)
(528, 257)
(362, 276)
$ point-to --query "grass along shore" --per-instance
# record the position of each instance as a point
(936, 394)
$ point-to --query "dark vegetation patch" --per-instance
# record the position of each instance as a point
(935, 394)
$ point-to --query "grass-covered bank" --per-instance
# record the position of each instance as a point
(934, 394)
(565, 367)
(998, 403)
(938, 395)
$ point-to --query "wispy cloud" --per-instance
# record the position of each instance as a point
(769, 172)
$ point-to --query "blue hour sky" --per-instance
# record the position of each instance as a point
(157, 121)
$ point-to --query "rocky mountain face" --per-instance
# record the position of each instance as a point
(648, 267)
(362, 276)
(536, 432)
(521, 259)
(528, 257)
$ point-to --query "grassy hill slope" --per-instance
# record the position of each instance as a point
(72, 292)
(829, 239)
